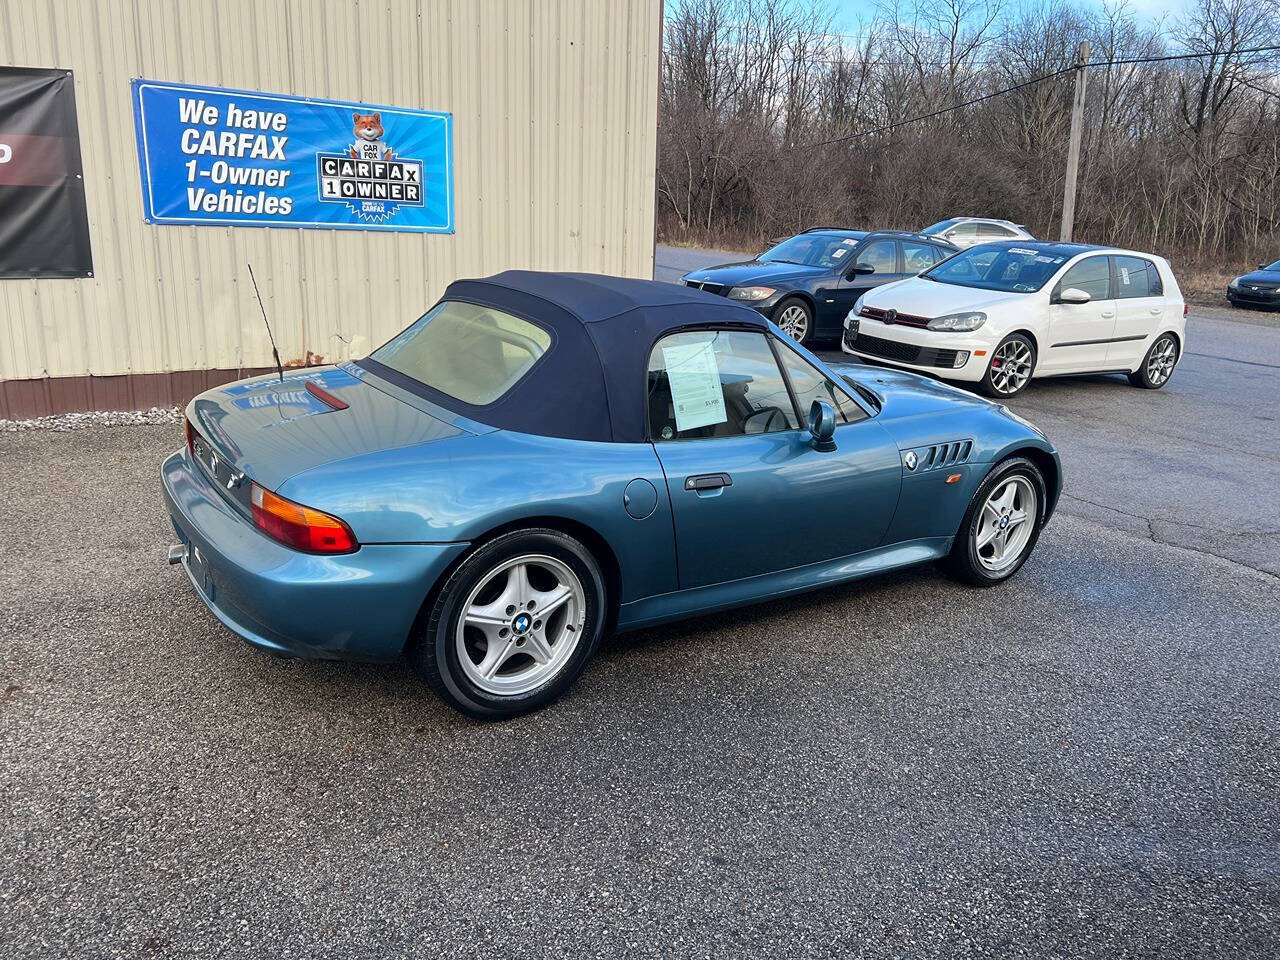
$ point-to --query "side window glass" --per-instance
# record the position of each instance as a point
(964, 231)
(810, 384)
(995, 230)
(1132, 278)
(1092, 275)
(1153, 278)
(918, 256)
(716, 383)
(881, 254)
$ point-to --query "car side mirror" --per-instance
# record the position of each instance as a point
(1073, 295)
(861, 268)
(822, 426)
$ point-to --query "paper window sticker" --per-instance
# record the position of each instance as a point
(839, 252)
(1023, 252)
(849, 243)
(694, 378)
(1124, 275)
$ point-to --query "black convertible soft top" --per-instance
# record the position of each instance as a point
(591, 383)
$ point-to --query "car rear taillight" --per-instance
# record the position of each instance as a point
(191, 438)
(300, 527)
(1185, 309)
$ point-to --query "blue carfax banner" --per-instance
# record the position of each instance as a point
(223, 157)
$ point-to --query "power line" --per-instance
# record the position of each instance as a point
(1032, 82)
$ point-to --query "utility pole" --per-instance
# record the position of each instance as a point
(1073, 147)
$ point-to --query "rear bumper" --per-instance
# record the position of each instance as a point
(357, 606)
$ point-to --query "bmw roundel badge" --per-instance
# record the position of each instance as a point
(910, 459)
(890, 316)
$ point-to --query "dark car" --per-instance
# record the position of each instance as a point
(1258, 289)
(807, 283)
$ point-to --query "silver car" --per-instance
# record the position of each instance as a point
(970, 231)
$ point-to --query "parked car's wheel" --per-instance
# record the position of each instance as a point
(795, 319)
(514, 625)
(1010, 366)
(1157, 365)
(1001, 526)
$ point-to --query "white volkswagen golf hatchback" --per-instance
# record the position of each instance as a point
(999, 314)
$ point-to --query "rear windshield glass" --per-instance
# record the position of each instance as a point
(811, 249)
(473, 354)
(940, 226)
(999, 266)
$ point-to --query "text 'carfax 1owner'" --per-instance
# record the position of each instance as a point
(209, 155)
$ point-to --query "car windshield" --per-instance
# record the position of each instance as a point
(1272, 266)
(811, 249)
(471, 353)
(940, 226)
(999, 266)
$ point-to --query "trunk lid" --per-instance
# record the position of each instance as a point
(270, 430)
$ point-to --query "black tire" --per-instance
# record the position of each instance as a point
(992, 377)
(1153, 377)
(963, 563)
(434, 652)
(789, 303)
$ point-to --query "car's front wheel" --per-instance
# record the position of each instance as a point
(1010, 367)
(795, 319)
(1157, 365)
(514, 625)
(1001, 526)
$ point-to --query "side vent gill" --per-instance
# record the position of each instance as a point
(940, 455)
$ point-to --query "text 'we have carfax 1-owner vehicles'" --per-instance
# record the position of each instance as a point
(1000, 314)
(542, 458)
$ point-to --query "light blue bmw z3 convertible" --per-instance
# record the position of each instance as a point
(545, 458)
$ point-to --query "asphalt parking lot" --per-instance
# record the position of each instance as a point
(1082, 762)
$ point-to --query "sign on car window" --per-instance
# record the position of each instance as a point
(695, 384)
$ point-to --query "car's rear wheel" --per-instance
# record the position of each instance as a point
(795, 319)
(514, 625)
(1010, 367)
(1001, 526)
(1157, 365)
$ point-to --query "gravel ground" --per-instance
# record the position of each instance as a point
(84, 421)
(1082, 762)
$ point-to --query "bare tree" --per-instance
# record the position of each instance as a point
(771, 122)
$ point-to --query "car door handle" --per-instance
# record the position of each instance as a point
(708, 481)
(1108, 314)
(1155, 312)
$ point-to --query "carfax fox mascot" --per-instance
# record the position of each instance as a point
(369, 144)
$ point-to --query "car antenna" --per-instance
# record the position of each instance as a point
(274, 352)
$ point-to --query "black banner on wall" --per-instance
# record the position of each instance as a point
(44, 229)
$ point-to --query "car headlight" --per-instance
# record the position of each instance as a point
(958, 322)
(1234, 284)
(751, 293)
(857, 305)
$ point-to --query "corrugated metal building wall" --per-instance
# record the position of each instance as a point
(554, 109)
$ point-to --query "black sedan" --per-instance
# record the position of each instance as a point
(808, 283)
(1258, 289)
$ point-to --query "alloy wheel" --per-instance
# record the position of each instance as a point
(794, 322)
(1164, 354)
(1010, 367)
(1006, 523)
(520, 624)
